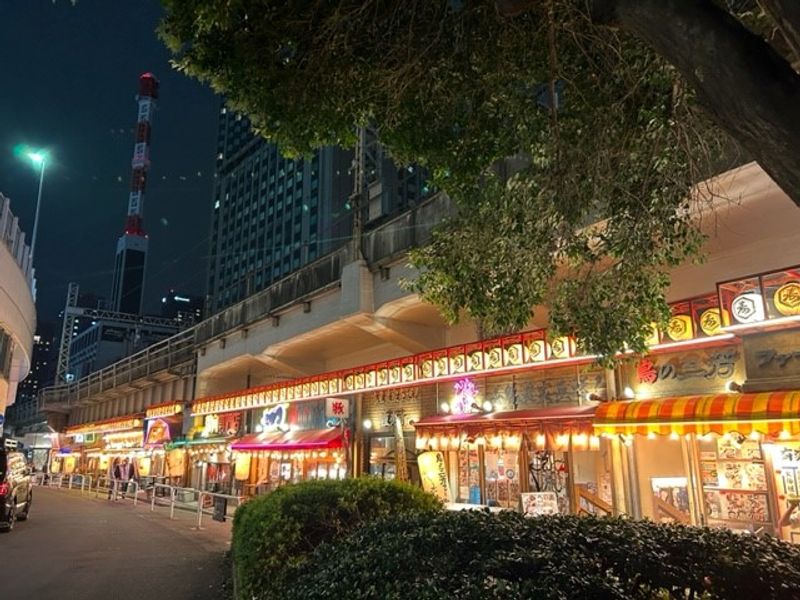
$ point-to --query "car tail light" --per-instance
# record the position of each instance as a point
(4, 489)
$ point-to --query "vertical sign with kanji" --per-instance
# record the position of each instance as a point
(337, 407)
(433, 474)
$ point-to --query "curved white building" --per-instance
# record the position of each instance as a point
(17, 310)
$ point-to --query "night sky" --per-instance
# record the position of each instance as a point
(70, 72)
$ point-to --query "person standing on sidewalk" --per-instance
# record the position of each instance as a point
(125, 473)
(113, 475)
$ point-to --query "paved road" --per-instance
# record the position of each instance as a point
(74, 547)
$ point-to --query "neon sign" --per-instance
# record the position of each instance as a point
(275, 418)
(466, 395)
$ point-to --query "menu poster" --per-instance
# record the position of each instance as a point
(714, 504)
(734, 506)
(534, 504)
(743, 476)
(709, 473)
(730, 448)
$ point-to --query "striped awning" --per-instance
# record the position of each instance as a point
(769, 413)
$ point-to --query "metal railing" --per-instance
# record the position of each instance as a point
(380, 245)
(114, 488)
(176, 351)
(201, 508)
(74, 481)
(176, 497)
(159, 494)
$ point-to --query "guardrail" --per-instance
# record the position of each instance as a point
(73, 481)
(174, 496)
(159, 494)
(116, 488)
(201, 508)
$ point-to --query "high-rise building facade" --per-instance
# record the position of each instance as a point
(25, 411)
(272, 215)
(186, 309)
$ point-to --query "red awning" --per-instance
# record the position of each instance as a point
(313, 439)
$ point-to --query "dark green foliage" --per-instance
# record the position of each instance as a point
(458, 88)
(273, 535)
(477, 556)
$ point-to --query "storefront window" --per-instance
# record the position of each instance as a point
(786, 462)
(663, 479)
(734, 480)
(469, 478)
(382, 461)
(502, 478)
(593, 486)
(548, 472)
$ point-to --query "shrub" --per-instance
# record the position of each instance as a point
(273, 535)
(472, 555)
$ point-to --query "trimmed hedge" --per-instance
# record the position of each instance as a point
(273, 535)
(474, 555)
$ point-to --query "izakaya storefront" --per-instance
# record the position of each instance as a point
(711, 435)
(163, 425)
(292, 442)
(94, 447)
(729, 460)
(206, 450)
(274, 445)
(519, 441)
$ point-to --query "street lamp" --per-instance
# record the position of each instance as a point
(39, 159)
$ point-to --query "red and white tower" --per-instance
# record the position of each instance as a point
(126, 293)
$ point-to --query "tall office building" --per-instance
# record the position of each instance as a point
(272, 215)
(25, 411)
(186, 309)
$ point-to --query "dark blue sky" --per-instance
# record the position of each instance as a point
(69, 76)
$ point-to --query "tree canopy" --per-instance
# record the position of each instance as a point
(604, 126)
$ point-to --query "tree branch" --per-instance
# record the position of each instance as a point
(749, 90)
(786, 15)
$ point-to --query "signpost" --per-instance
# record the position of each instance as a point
(433, 473)
(220, 509)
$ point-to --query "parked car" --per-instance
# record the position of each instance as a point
(16, 489)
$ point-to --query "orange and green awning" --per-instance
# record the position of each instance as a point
(769, 413)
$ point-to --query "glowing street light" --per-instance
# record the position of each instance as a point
(39, 159)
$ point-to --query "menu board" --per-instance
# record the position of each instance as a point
(734, 481)
(534, 504)
(734, 506)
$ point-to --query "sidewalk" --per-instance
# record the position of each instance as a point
(80, 548)
(184, 518)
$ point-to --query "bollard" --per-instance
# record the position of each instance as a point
(199, 509)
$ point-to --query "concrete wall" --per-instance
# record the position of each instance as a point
(18, 319)
(750, 224)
